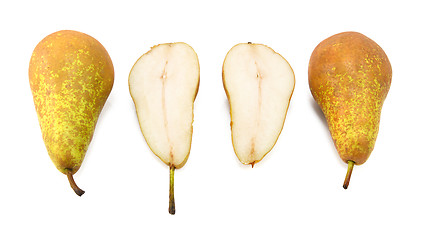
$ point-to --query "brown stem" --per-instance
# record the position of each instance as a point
(75, 188)
(171, 208)
(348, 174)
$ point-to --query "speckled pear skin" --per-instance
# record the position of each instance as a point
(71, 76)
(349, 77)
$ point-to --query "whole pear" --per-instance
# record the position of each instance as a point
(349, 77)
(71, 76)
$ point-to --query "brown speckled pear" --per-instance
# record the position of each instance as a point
(349, 77)
(71, 76)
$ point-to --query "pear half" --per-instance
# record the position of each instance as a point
(163, 84)
(259, 84)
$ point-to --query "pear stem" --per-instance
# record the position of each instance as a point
(72, 182)
(171, 208)
(348, 173)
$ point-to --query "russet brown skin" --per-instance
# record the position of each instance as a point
(349, 77)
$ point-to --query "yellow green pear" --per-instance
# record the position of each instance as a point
(349, 77)
(71, 76)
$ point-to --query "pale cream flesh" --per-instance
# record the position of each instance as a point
(259, 84)
(163, 84)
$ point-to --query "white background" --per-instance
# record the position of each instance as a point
(294, 193)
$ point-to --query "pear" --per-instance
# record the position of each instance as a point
(349, 77)
(163, 84)
(71, 76)
(259, 84)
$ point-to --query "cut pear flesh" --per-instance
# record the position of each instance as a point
(163, 84)
(259, 84)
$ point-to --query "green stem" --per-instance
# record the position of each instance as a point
(171, 208)
(72, 182)
(348, 174)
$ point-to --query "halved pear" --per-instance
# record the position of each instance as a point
(163, 84)
(259, 84)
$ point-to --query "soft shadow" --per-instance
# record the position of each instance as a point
(227, 105)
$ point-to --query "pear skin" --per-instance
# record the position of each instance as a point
(349, 77)
(71, 76)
